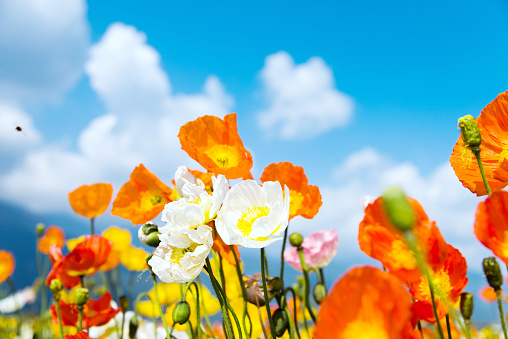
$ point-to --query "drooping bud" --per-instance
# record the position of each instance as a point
(281, 322)
(296, 239)
(81, 297)
(398, 208)
(319, 293)
(466, 305)
(181, 313)
(133, 327)
(492, 273)
(39, 229)
(148, 234)
(56, 287)
(124, 303)
(470, 132)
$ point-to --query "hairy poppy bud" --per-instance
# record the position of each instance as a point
(124, 303)
(470, 132)
(148, 234)
(56, 287)
(398, 208)
(492, 273)
(281, 322)
(39, 229)
(466, 305)
(81, 297)
(181, 313)
(296, 239)
(133, 327)
(319, 293)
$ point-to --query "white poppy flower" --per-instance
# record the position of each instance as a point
(18, 300)
(185, 180)
(251, 214)
(198, 208)
(181, 254)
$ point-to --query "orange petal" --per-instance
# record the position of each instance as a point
(53, 235)
(7, 264)
(91, 201)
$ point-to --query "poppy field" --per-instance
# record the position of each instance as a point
(194, 229)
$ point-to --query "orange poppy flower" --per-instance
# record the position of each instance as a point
(216, 145)
(365, 303)
(305, 198)
(95, 312)
(91, 201)
(53, 235)
(79, 335)
(494, 150)
(7, 265)
(111, 262)
(379, 239)
(491, 224)
(85, 259)
(487, 294)
(448, 280)
(142, 198)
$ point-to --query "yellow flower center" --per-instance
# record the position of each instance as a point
(178, 253)
(504, 153)
(249, 217)
(224, 156)
(466, 155)
(441, 284)
(361, 329)
(295, 202)
(401, 256)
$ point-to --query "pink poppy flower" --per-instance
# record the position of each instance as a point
(318, 250)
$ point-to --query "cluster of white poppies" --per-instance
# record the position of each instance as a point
(246, 214)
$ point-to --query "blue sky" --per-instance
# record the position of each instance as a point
(362, 94)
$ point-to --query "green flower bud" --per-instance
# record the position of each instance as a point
(124, 303)
(319, 293)
(181, 313)
(39, 229)
(148, 234)
(399, 209)
(281, 322)
(133, 327)
(56, 287)
(492, 273)
(296, 239)
(81, 297)
(470, 132)
(466, 305)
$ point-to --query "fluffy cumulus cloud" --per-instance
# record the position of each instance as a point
(47, 43)
(365, 174)
(302, 99)
(141, 125)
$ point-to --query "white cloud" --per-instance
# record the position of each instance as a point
(302, 99)
(141, 126)
(11, 140)
(367, 172)
(43, 47)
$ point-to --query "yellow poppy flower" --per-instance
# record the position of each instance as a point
(133, 258)
(119, 237)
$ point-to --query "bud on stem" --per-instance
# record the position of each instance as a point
(493, 273)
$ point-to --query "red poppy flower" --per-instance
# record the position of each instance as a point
(95, 312)
(305, 199)
(379, 239)
(79, 335)
(85, 259)
(216, 145)
(142, 198)
(365, 303)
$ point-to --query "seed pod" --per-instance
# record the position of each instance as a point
(181, 313)
(56, 287)
(319, 293)
(81, 297)
(296, 239)
(281, 321)
(466, 305)
(124, 303)
(470, 132)
(492, 273)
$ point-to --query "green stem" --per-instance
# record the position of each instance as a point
(123, 324)
(499, 293)
(290, 289)
(92, 226)
(265, 292)
(482, 171)
(244, 292)
(284, 240)
(80, 318)
(103, 279)
(322, 275)
(468, 328)
(59, 314)
(207, 320)
(198, 315)
(154, 278)
(18, 309)
(307, 284)
(448, 326)
(434, 308)
(82, 281)
(132, 276)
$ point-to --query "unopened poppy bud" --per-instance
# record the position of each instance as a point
(124, 303)
(148, 234)
(296, 239)
(492, 273)
(133, 327)
(81, 297)
(470, 132)
(319, 293)
(39, 229)
(281, 322)
(398, 208)
(181, 313)
(56, 287)
(466, 305)
(277, 284)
